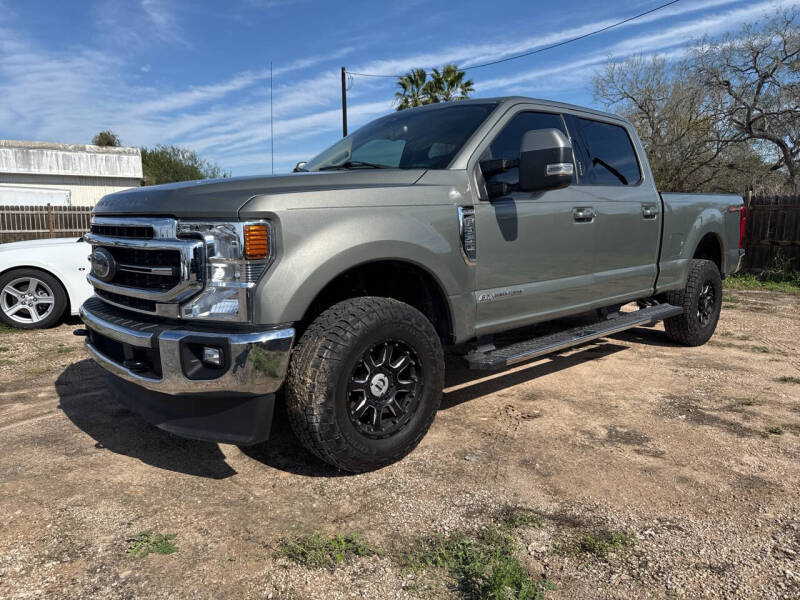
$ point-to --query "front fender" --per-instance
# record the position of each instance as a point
(317, 246)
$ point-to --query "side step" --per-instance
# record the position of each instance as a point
(528, 349)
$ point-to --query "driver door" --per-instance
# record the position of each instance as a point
(534, 249)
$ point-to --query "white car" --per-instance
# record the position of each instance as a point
(40, 280)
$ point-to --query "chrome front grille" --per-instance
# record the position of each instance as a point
(150, 274)
(146, 269)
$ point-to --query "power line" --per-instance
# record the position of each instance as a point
(545, 48)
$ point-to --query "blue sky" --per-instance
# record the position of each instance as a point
(194, 73)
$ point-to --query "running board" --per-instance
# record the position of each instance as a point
(528, 349)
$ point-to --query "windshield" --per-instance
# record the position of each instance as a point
(413, 139)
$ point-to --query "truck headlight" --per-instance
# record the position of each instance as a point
(237, 254)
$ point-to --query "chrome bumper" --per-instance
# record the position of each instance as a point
(257, 365)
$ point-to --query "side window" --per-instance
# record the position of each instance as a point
(508, 141)
(603, 152)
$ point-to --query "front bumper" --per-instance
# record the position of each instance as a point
(257, 361)
(155, 373)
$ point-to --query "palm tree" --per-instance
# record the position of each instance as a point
(413, 89)
(449, 84)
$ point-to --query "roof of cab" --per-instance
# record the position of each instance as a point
(519, 99)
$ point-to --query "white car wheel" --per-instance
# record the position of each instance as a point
(30, 299)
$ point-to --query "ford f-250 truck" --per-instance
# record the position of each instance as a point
(341, 283)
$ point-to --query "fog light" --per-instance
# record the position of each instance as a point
(212, 356)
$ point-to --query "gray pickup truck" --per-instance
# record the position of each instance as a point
(342, 283)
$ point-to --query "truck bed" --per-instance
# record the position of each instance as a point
(693, 221)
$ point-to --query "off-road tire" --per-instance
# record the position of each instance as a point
(60, 299)
(687, 328)
(321, 368)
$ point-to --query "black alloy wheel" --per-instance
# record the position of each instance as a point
(384, 389)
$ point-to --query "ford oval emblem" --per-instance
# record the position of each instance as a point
(104, 267)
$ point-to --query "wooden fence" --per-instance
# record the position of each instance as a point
(36, 222)
(773, 228)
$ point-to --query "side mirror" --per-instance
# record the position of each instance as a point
(545, 160)
(299, 167)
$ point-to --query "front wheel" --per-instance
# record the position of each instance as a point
(365, 382)
(701, 301)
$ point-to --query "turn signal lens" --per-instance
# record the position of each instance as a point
(256, 241)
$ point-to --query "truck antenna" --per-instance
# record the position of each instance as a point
(271, 124)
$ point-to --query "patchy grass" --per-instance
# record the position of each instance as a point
(6, 329)
(4, 348)
(775, 430)
(761, 349)
(516, 517)
(747, 281)
(736, 336)
(37, 371)
(730, 301)
(147, 542)
(602, 544)
(748, 402)
(64, 349)
(483, 564)
(316, 552)
(4, 362)
(789, 379)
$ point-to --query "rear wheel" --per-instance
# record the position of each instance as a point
(701, 301)
(31, 299)
(365, 382)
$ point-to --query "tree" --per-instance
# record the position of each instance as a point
(166, 164)
(443, 86)
(667, 110)
(106, 138)
(753, 85)
(414, 90)
(449, 84)
(690, 125)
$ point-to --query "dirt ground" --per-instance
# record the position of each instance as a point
(629, 434)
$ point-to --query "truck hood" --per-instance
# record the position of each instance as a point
(222, 198)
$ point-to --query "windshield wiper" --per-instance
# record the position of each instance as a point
(353, 164)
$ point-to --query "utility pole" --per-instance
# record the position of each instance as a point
(344, 102)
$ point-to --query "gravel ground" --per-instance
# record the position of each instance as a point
(629, 434)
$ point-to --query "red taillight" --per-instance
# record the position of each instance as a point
(742, 223)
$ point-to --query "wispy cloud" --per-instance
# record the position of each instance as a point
(125, 22)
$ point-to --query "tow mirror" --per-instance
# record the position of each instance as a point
(545, 160)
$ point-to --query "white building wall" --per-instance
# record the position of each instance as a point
(83, 191)
(78, 174)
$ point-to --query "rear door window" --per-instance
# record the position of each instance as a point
(604, 153)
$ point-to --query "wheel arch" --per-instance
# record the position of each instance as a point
(709, 247)
(397, 278)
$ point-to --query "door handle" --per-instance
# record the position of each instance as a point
(649, 211)
(583, 214)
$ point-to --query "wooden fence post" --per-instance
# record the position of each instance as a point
(50, 218)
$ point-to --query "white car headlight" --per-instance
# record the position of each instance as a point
(237, 254)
